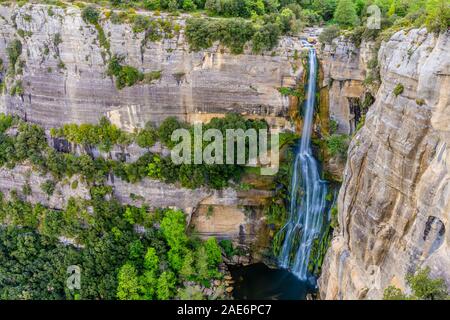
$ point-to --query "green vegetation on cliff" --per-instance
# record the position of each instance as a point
(37, 245)
(30, 144)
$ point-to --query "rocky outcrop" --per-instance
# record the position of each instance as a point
(394, 204)
(65, 81)
(64, 77)
(225, 214)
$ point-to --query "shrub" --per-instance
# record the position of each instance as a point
(437, 15)
(227, 247)
(285, 91)
(213, 252)
(140, 23)
(128, 76)
(420, 102)
(189, 5)
(329, 33)
(6, 122)
(422, 286)
(393, 293)
(125, 76)
(149, 77)
(90, 15)
(166, 128)
(426, 288)
(17, 88)
(57, 40)
(26, 189)
(334, 125)
(48, 187)
(74, 184)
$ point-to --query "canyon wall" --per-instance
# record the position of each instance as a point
(394, 204)
(344, 70)
(343, 93)
(66, 82)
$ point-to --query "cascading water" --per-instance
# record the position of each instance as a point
(308, 203)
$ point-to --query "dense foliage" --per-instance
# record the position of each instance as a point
(30, 144)
(115, 261)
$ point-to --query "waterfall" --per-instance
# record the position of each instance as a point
(308, 204)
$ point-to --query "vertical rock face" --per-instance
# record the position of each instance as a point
(78, 90)
(394, 204)
(345, 68)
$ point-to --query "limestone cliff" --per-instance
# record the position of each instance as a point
(394, 204)
(343, 90)
(345, 68)
(65, 81)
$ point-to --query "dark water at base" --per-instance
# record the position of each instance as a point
(258, 281)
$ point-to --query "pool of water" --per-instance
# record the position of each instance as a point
(259, 282)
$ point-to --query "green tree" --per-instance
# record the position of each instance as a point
(147, 137)
(438, 15)
(189, 5)
(266, 38)
(90, 15)
(165, 130)
(128, 285)
(190, 293)
(426, 288)
(148, 285)
(271, 5)
(175, 257)
(173, 227)
(201, 264)
(345, 14)
(423, 287)
(154, 168)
